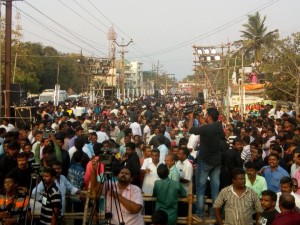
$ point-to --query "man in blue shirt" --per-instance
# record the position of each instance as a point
(274, 173)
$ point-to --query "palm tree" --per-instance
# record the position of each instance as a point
(256, 36)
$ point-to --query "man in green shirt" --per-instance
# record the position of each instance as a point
(255, 182)
(167, 192)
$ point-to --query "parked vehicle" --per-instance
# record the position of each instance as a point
(74, 98)
(48, 96)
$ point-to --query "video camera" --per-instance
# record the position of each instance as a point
(35, 169)
(107, 158)
(193, 108)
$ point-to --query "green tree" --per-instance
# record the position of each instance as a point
(283, 71)
(256, 37)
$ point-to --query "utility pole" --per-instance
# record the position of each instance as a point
(8, 21)
(0, 58)
(157, 67)
(123, 64)
(18, 36)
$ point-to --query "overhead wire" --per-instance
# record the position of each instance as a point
(51, 30)
(91, 14)
(27, 31)
(68, 7)
(109, 20)
(213, 31)
(64, 28)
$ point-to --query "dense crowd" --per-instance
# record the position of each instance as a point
(167, 147)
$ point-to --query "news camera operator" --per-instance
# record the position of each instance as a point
(128, 195)
(209, 157)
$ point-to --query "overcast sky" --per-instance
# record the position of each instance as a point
(161, 30)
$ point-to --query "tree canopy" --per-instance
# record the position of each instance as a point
(256, 37)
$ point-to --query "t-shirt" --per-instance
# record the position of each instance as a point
(50, 201)
(267, 217)
(210, 142)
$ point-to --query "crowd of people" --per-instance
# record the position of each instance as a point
(166, 147)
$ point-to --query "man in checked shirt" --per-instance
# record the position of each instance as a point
(239, 201)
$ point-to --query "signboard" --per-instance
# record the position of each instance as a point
(236, 100)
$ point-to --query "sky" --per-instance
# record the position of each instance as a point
(162, 31)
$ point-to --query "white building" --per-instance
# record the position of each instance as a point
(134, 85)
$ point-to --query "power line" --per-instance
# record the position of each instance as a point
(48, 40)
(68, 7)
(91, 14)
(139, 50)
(64, 28)
(212, 32)
(51, 30)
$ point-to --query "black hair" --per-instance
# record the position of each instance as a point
(162, 171)
(185, 150)
(131, 145)
(155, 150)
(271, 194)
(214, 113)
(275, 155)
(250, 165)
(79, 142)
(128, 168)
(22, 155)
(160, 217)
(183, 141)
(236, 172)
(237, 139)
(287, 201)
(13, 145)
(58, 163)
(77, 156)
(287, 180)
(246, 139)
(254, 143)
(97, 148)
(49, 170)
(276, 148)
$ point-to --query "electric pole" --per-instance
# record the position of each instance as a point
(158, 67)
(123, 64)
(18, 36)
(8, 21)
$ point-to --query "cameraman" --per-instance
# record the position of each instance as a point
(128, 195)
(209, 158)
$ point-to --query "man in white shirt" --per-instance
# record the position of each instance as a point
(101, 134)
(136, 128)
(149, 170)
(184, 167)
(286, 186)
(8, 126)
(147, 132)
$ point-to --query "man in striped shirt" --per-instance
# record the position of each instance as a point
(51, 201)
(239, 202)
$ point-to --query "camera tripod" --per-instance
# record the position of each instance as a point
(107, 183)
